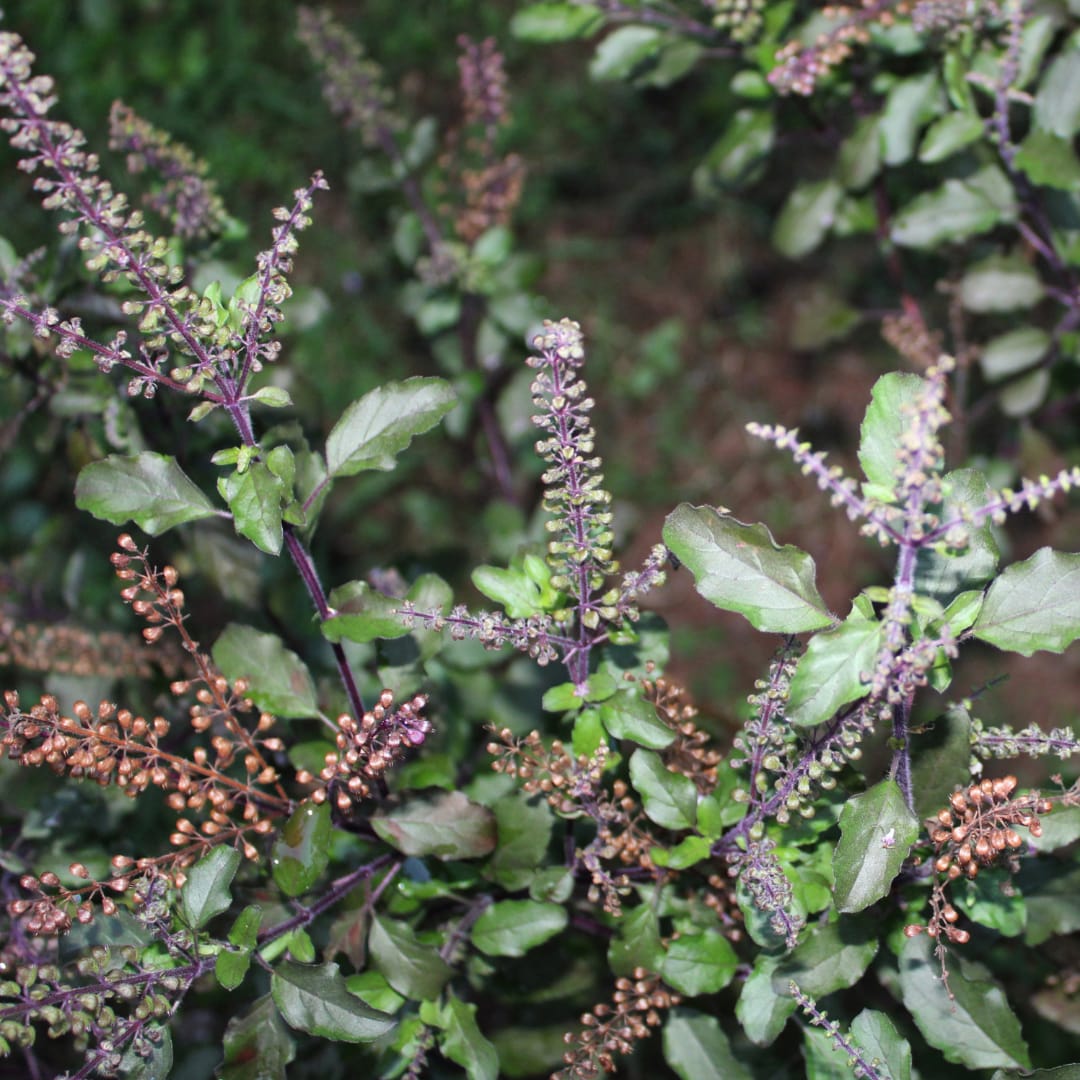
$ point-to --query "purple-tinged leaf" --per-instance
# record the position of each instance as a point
(257, 1045)
(445, 824)
(301, 851)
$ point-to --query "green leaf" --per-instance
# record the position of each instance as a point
(859, 160)
(696, 1048)
(627, 715)
(298, 944)
(589, 733)
(830, 957)
(206, 890)
(990, 900)
(274, 397)
(411, 968)
(378, 427)
(1062, 1072)
(149, 489)
(1050, 888)
(1014, 351)
(1057, 103)
(245, 930)
(565, 696)
(517, 594)
(910, 104)
(1026, 394)
(821, 1058)
(302, 850)
(315, 999)
(768, 927)
(940, 760)
(258, 1046)
(462, 1041)
(255, 497)
(951, 133)
(891, 400)
(741, 568)
(513, 927)
(363, 614)
(555, 22)
(1059, 829)
(627, 52)
(554, 883)
(752, 85)
(956, 210)
(524, 827)
(877, 1036)
(636, 942)
(675, 60)
(668, 798)
(279, 681)
(806, 217)
(738, 154)
(445, 824)
(1000, 283)
(154, 1065)
(975, 1027)
(1034, 605)
(1049, 160)
(962, 611)
(762, 1010)
(493, 246)
(821, 316)
(373, 989)
(685, 853)
(944, 574)
(1035, 38)
(699, 963)
(230, 967)
(437, 314)
(833, 671)
(876, 833)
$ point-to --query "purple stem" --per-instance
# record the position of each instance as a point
(305, 566)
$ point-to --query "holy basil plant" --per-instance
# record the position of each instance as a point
(371, 830)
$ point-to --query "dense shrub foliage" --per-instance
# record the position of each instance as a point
(377, 828)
